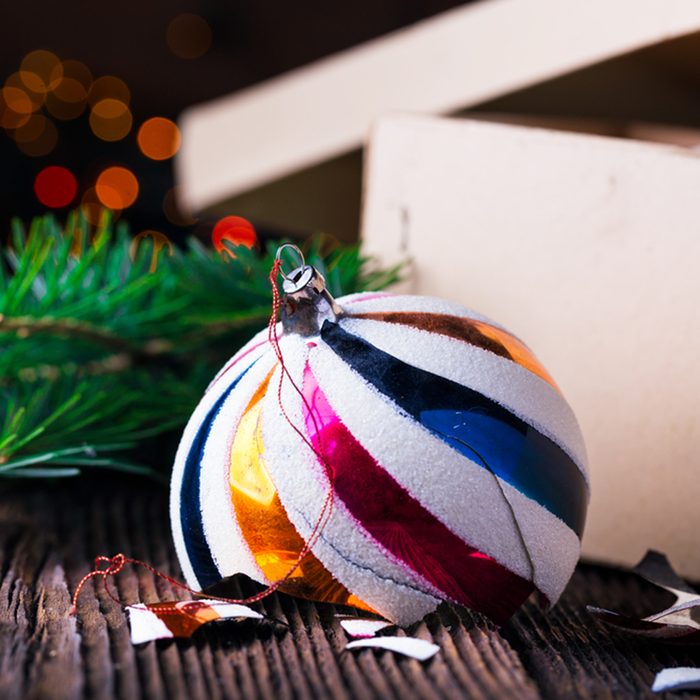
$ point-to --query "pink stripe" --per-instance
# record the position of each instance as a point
(402, 525)
(236, 359)
(369, 296)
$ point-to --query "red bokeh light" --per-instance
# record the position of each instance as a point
(234, 229)
(55, 186)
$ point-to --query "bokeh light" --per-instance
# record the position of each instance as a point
(17, 100)
(55, 186)
(41, 71)
(32, 82)
(173, 211)
(91, 207)
(159, 242)
(31, 130)
(109, 86)
(188, 36)
(37, 137)
(117, 187)
(67, 100)
(76, 70)
(235, 230)
(36, 99)
(45, 89)
(15, 108)
(110, 119)
(159, 138)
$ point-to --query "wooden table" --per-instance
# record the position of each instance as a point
(50, 533)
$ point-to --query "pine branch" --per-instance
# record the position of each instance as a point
(99, 353)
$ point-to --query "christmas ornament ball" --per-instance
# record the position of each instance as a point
(458, 468)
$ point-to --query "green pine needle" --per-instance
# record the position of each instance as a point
(103, 347)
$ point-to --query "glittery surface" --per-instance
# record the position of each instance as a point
(272, 538)
(474, 425)
(198, 551)
(472, 331)
(402, 525)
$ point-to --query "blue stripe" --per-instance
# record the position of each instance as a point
(474, 425)
(196, 543)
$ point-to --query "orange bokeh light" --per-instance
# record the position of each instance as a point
(109, 108)
(41, 71)
(76, 70)
(37, 137)
(188, 36)
(67, 99)
(32, 82)
(25, 99)
(117, 187)
(91, 207)
(159, 138)
(15, 107)
(31, 130)
(159, 241)
(9, 119)
(55, 186)
(110, 119)
(235, 230)
(70, 90)
(109, 86)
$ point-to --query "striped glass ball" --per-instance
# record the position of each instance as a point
(459, 470)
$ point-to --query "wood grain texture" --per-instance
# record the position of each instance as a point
(49, 537)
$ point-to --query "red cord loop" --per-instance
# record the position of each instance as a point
(114, 564)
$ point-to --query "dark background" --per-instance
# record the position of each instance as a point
(252, 40)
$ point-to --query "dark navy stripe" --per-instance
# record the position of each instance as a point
(196, 544)
(474, 425)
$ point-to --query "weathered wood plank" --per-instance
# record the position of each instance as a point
(49, 538)
(569, 654)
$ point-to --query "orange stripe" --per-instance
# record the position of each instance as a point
(477, 333)
(272, 538)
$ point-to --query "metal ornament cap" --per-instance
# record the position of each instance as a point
(307, 303)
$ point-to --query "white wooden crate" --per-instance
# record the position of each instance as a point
(235, 148)
(589, 249)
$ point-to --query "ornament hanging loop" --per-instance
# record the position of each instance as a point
(293, 278)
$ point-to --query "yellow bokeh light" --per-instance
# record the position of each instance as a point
(159, 138)
(117, 188)
(109, 86)
(41, 70)
(110, 119)
(188, 36)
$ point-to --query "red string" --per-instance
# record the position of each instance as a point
(115, 564)
(327, 508)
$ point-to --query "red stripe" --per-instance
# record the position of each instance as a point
(402, 525)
